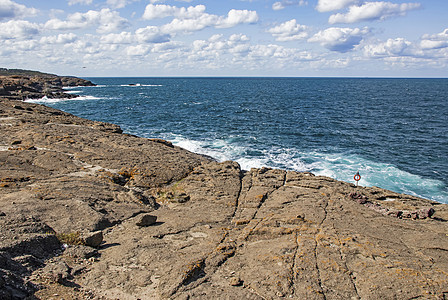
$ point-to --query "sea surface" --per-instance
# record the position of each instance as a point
(393, 131)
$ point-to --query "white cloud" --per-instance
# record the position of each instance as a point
(166, 47)
(12, 10)
(435, 41)
(161, 11)
(284, 3)
(105, 19)
(151, 34)
(138, 50)
(340, 39)
(289, 31)
(117, 38)
(329, 5)
(26, 45)
(15, 29)
(85, 47)
(235, 17)
(371, 11)
(190, 25)
(82, 2)
(59, 39)
(392, 47)
(195, 18)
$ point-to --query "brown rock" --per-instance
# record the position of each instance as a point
(93, 239)
(235, 281)
(146, 220)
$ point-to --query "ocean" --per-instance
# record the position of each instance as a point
(393, 131)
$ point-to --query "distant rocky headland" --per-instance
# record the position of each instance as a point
(16, 84)
(90, 212)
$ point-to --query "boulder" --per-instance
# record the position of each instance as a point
(93, 239)
(146, 220)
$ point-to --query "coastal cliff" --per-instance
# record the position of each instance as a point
(89, 212)
(16, 84)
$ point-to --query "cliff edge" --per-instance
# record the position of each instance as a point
(88, 212)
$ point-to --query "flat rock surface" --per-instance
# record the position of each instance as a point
(221, 233)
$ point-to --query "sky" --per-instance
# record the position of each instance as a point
(290, 38)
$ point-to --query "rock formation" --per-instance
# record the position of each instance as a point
(22, 84)
(213, 231)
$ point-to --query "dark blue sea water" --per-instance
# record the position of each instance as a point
(393, 131)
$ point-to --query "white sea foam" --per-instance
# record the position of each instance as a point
(73, 92)
(139, 85)
(340, 166)
(45, 99)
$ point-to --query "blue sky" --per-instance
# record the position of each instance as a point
(226, 38)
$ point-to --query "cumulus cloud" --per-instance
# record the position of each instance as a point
(117, 38)
(82, 2)
(371, 11)
(25, 45)
(392, 47)
(166, 47)
(289, 31)
(146, 35)
(138, 50)
(329, 5)
(59, 39)
(339, 39)
(15, 29)
(190, 25)
(235, 17)
(12, 10)
(159, 11)
(105, 19)
(283, 4)
(151, 34)
(435, 41)
(195, 18)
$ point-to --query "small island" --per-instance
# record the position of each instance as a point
(90, 212)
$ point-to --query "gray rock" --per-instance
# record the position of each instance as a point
(93, 239)
(146, 220)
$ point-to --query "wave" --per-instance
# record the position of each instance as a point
(73, 92)
(340, 166)
(86, 86)
(45, 99)
(139, 85)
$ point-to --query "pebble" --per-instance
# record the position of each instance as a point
(235, 281)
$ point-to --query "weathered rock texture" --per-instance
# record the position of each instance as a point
(22, 84)
(220, 233)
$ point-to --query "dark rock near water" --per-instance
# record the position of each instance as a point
(222, 233)
(22, 84)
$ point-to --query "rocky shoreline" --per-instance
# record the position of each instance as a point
(89, 212)
(18, 84)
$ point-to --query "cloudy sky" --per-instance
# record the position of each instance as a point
(391, 38)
